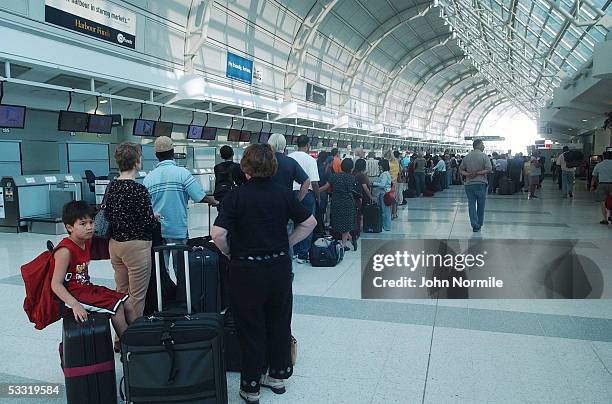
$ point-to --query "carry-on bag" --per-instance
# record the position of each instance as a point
(174, 357)
(204, 279)
(372, 218)
(88, 360)
(506, 186)
(326, 252)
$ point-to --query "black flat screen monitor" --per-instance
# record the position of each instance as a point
(355, 145)
(100, 124)
(291, 139)
(263, 137)
(209, 133)
(72, 121)
(194, 132)
(143, 127)
(245, 136)
(12, 116)
(314, 142)
(327, 142)
(342, 144)
(163, 128)
(233, 135)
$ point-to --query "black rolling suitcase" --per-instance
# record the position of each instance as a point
(372, 219)
(506, 186)
(174, 357)
(204, 281)
(88, 360)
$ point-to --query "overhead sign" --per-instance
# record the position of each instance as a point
(239, 68)
(316, 94)
(98, 18)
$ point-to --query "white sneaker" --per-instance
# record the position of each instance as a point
(300, 260)
(276, 385)
(251, 398)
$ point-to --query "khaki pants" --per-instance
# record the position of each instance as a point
(132, 263)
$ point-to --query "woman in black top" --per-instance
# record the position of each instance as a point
(254, 220)
(129, 211)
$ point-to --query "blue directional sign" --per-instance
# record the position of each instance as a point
(239, 68)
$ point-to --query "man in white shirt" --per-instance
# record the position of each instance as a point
(567, 175)
(601, 184)
(312, 198)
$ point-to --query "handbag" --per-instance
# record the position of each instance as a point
(102, 227)
(390, 196)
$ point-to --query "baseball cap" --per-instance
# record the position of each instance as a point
(163, 144)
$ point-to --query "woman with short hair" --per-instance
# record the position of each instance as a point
(129, 211)
(343, 209)
(251, 230)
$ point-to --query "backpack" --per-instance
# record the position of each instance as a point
(326, 252)
(41, 305)
(224, 181)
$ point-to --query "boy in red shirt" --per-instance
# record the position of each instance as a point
(70, 280)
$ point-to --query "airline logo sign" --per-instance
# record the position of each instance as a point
(316, 94)
(98, 18)
(239, 68)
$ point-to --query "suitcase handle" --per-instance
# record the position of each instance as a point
(172, 247)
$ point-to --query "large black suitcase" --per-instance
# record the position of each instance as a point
(506, 186)
(174, 357)
(372, 219)
(88, 360)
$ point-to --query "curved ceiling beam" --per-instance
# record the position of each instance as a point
(373, 40)
(303, 40)
(196, 31)
(448, 86)
(474, 104)
(490, 109)
(462, 96)
(402, 65)
(424, 80)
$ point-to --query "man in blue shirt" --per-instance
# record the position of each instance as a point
(170, 187)
(289, 170)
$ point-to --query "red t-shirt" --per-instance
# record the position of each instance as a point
(77, 274)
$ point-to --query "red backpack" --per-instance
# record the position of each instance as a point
(40, 304)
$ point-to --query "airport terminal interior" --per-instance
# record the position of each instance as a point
(531, 79)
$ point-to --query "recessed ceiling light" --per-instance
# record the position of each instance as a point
(584, 120)
(103, 101)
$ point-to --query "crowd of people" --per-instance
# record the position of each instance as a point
(268, 206)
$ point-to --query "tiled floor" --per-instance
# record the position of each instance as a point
(401, 351)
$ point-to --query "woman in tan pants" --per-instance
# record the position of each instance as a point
(129, 211)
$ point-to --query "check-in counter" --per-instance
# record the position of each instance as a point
(100, 185)
(206, 178)
(27, 199)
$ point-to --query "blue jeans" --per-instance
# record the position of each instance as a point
(477, 195)
(323, 206)
(567, 182)
(302, 248)
(419, 179)
(449, 178)
(385, 211)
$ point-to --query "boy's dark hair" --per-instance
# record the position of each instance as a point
(360, 165)
(303, 141)
(76, 210)
(396, 154)
(334, 152)
(384, 163)
(226, 152)
(167, 155)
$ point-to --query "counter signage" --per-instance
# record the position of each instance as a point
(51, 179)
(30, 180)
(239, 68)
(98, 18)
